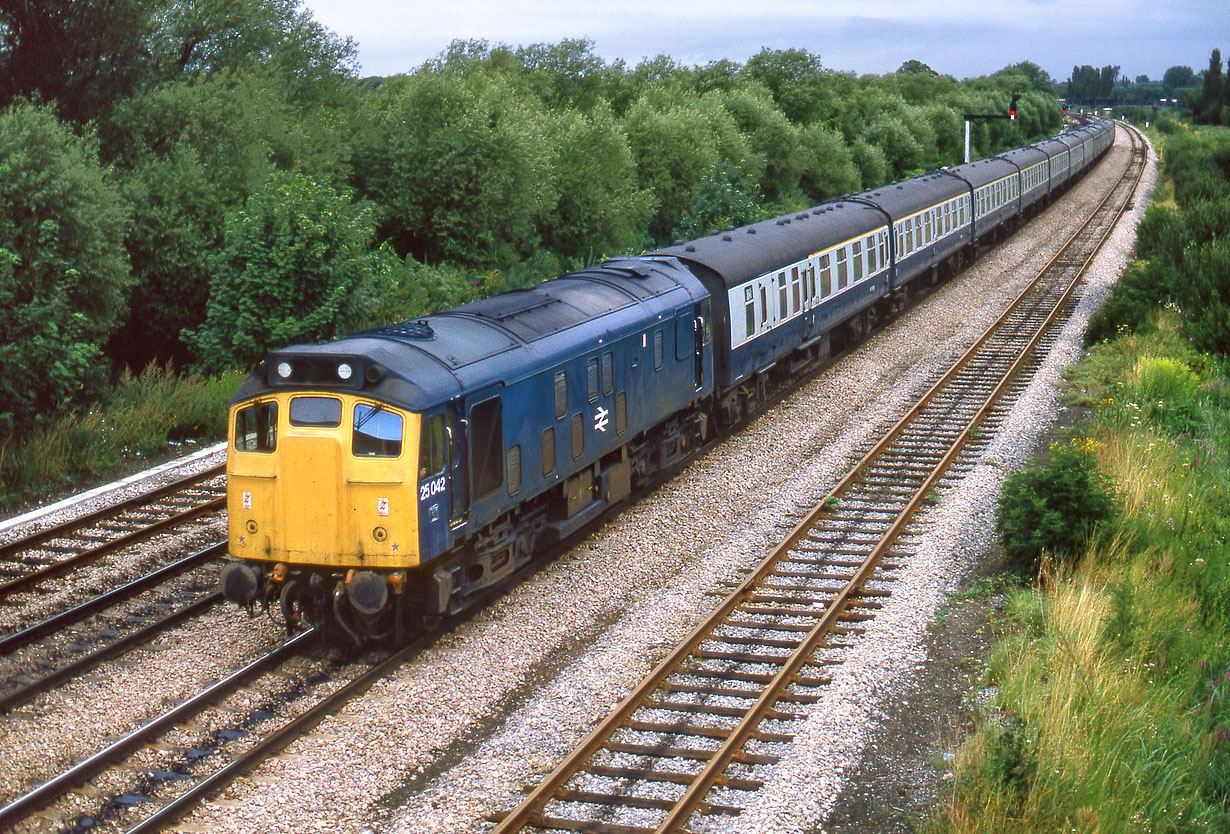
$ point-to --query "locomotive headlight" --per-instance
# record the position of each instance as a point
(344, 371)
(284, 370)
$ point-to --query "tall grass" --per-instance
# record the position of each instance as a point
(142, 415)
(1112, 708)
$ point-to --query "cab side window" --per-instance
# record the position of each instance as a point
(433, 449)
(256, 428)
(377, 432)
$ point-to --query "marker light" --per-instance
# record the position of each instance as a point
(284, 370)
(344, 371)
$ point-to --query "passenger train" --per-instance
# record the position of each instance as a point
(381, 481)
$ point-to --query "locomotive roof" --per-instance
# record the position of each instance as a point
(761, 248)
(503, 338)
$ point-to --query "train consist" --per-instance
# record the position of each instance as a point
(381, 481)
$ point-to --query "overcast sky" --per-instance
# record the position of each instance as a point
(963, 38)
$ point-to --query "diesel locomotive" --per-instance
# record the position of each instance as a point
(381, 481)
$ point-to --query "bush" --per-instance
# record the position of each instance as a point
(1053, 507)
(139, 417)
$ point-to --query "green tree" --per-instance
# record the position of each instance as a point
(673, 148)
(829, 169)
(871, 162)
(891, 135)
(88, 54)
(1206, 109)
(600, 209)
(207, 37)
(912, 67)
(458, 167)
(799, 84)
(772, 137)
(83, 55)
(1178, 78)
(189, 152)
(1089, 84)
(726, 197)
(1053, 507)
(63, 272)
(294, 257)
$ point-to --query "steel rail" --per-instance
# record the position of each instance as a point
(64, 565)
(531, 808)
(12, 642)
(28, 803)
(65, 527)
(87, 662)
(275, 741)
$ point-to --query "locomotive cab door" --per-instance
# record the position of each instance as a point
(435, 488)
(459, 494)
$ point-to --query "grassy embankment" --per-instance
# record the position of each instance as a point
(1112, 673)
(141, 415)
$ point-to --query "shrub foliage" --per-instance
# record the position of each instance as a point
(1053, 507)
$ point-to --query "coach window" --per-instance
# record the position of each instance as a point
(782, 309)
(377, 432)
(316, 412)
(884, 248)
(764, 304)
(433, 450)
(561, 395)
(857, 259)
(591, 380)
(826, 276)
(548, 452)
(810, 276)
(843, 278)
(256, 428)
(796, 291)
(749, 311)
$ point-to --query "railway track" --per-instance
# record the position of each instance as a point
(115, 633)
(689, 745)
(26, 562)
(187, 775)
